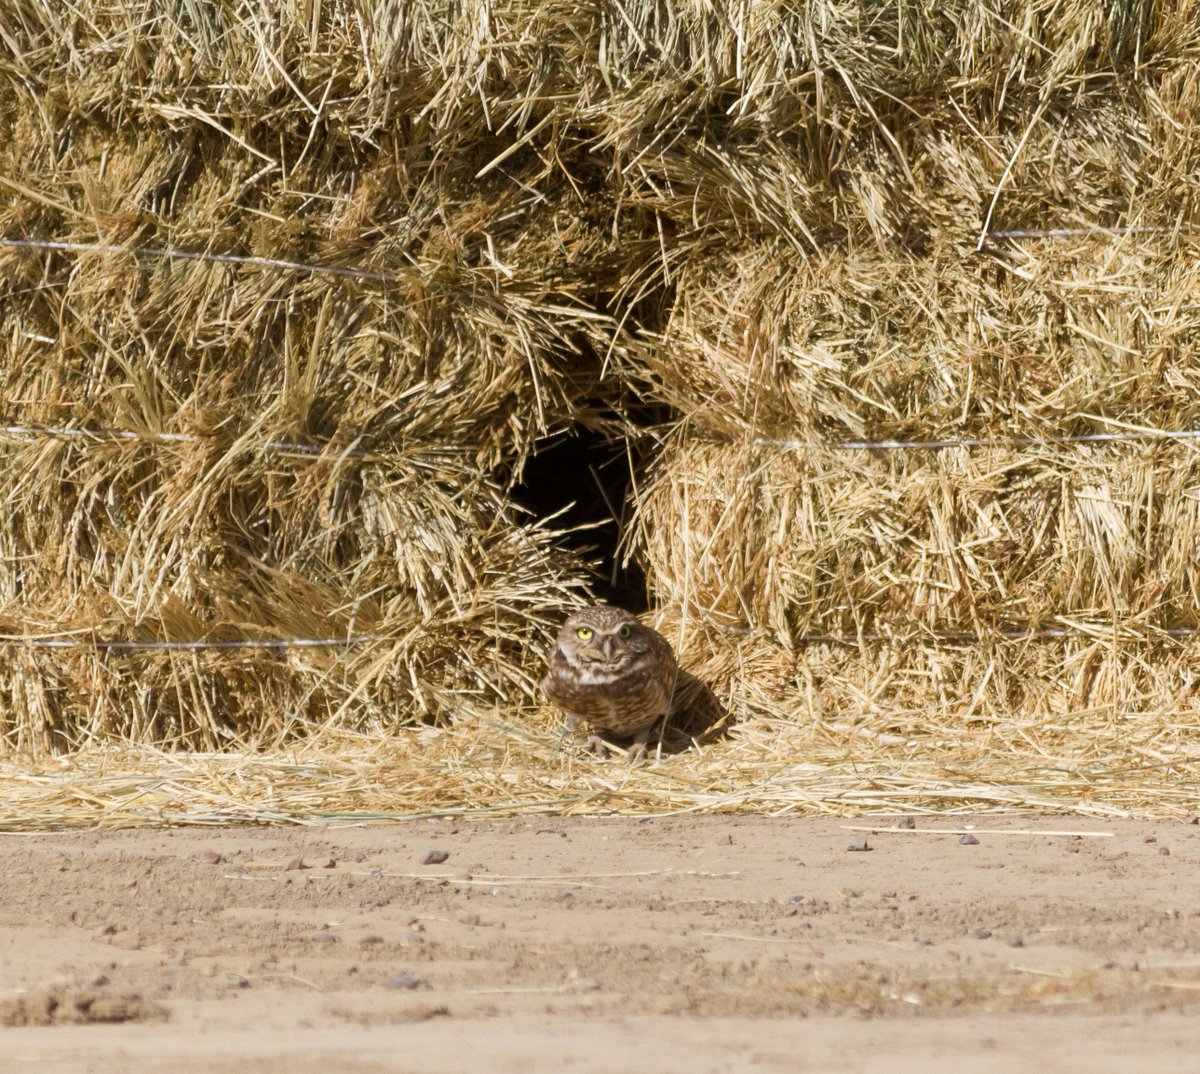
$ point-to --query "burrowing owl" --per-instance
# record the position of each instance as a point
(613, 673)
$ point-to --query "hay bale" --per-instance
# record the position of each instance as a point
(816, 541)
(1042, 340)
(439, 592)
(462, 231)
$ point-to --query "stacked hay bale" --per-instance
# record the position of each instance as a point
(204, 460)
(893, 459)
(765, 218)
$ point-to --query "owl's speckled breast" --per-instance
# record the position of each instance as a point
(622, 703)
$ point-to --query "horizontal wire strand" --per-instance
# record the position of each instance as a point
(1016, 441)
(152, 437)
(247, 643)
(201, 255)
(351, 272)
(1101, 633)
(285, 446)
(1086, 232)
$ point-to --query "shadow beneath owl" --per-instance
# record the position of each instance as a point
(697, 717)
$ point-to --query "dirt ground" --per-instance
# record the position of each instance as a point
(603, 944)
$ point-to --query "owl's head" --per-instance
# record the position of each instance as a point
(603, 635)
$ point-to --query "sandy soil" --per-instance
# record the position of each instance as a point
(605, 944)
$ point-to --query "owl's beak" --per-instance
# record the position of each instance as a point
(606, 647)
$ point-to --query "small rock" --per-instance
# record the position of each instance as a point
(906, 822)
(331, 863)
(292, 864)
(981, 934)
(360, 857)
(209, 857)
(370, 941)
(434, 857)
(968, 840)
(1165, 851)
(324, 937)
(860, 844)
(236, 980)
(1195, 819)
(797, 898)
(376, 874)
(1150, 839)
(1016, 941)
(404, 980)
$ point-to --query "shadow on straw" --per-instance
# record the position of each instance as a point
(697, 716)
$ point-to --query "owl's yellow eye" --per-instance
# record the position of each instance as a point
(625, 631)
(584, 633)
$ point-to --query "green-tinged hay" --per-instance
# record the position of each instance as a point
(818, 541)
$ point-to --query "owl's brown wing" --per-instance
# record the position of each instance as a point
(665, 663)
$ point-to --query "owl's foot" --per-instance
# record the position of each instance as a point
(641, 742)
(597, 745)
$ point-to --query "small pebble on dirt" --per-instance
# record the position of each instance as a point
(860, 844)
(797, 898)
(434, 857)
(292, 864)
(331, 863)
(981, 934)
(376, 874)
(1150, 839)
(968, 840)
(1165, 851)
(360, 857)
(370, 941)
(404, 980)
(209, 857)
(906, 822)
(324, 937)
(1016, 941)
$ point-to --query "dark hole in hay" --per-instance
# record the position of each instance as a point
(582, 481)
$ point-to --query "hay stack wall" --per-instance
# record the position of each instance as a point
(205, 453)
(894, 455)
(763, 219)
